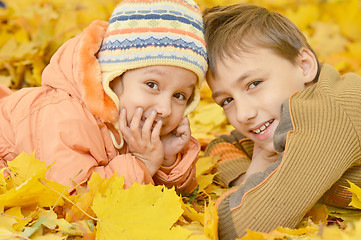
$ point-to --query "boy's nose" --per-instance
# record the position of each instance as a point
(245, 112)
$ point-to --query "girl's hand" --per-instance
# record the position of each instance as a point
(175, 141)
(143, 141)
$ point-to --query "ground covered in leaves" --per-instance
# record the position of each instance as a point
(32, 207)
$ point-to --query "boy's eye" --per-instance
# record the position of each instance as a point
(180, 96)
(226, 101)
(253, 84)
(152, 85)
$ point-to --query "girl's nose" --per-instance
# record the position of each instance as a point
(164, 107)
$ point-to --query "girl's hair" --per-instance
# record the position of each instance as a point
(241, 27)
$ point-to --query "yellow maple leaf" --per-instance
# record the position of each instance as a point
(204, 181)
(352, 232)
(24, 166)
(7, 222)
(203, 167)
(20, 220)
(140, 212)
(331, 233)
(211, 220)
(216, 190)
(209, 113)
(356, 195)
(48, 237)
(318, 214)
(35, 189)
(3, 182)
(197, 230)
(347, 215)
(308, 230)
(252, 235)
(191, 214)
(203, 225)
(96, 185)
(60, 224)
(281, 233)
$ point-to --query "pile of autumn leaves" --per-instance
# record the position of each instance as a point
(33, 207)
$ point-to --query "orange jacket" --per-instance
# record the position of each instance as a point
(55, 121)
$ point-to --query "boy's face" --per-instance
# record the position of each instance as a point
(251, 89)
(165, 89)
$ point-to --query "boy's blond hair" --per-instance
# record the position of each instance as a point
(234, 29)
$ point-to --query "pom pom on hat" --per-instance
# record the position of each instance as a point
(144, 33)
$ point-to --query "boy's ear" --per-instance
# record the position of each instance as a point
(308, 63)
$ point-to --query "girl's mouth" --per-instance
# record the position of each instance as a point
(263, 128)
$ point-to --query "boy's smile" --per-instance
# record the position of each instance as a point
(251, 88)
(262, 129)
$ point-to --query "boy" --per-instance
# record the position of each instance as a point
(134, 79)
(298, 122)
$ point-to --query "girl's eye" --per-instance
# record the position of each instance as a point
(180, 96)
(253, 84)
(226, 101)
(152, 85)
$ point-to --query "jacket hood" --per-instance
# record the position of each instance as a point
(75, 69)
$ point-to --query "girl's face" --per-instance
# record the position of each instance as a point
(165, 89)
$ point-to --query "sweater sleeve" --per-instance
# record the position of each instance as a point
(234, 159)
(182, 174)
(323, 142)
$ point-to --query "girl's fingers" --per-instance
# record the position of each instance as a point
(156, 132)
(182, 128)
(148, 124)
(123, 118)
(123, 126)
(135, 123)
(184, 121)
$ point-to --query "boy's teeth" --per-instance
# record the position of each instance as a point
(262, 128)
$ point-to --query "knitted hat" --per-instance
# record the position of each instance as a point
(154, 32)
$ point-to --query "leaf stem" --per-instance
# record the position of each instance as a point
(95, 219)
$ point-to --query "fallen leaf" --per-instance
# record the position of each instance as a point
(140, 212)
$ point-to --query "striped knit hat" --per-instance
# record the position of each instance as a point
(154, 32)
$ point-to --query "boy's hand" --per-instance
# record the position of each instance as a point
(175, 141)
(261, 159)
(143, 142)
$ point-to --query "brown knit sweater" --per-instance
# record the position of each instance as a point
(319, 137)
